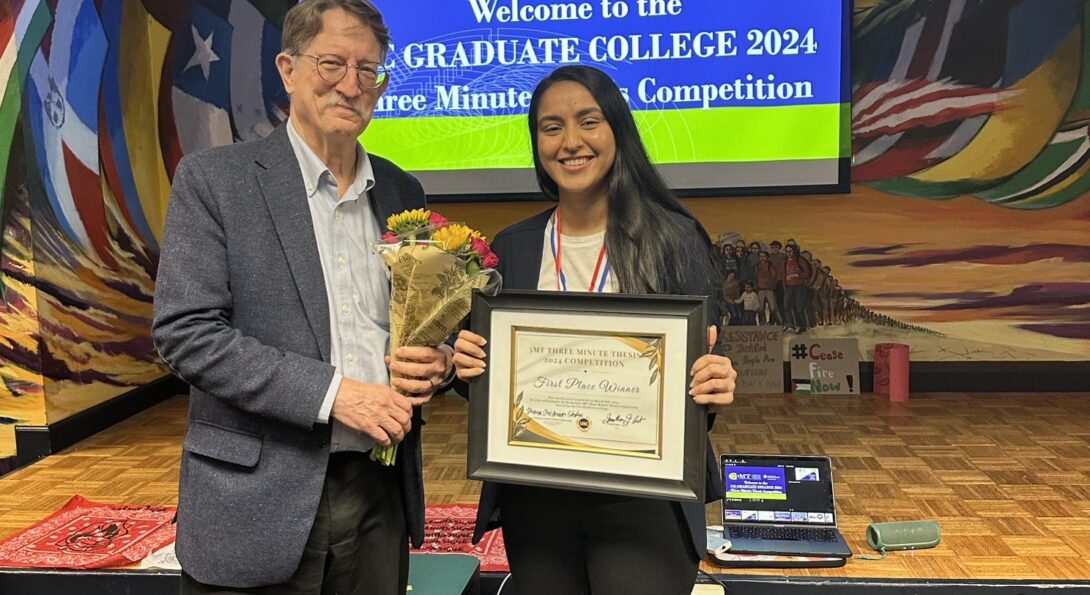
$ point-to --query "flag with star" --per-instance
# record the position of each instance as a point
(258, 100)
(201, 94)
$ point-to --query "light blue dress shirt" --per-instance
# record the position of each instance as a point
(356, 280)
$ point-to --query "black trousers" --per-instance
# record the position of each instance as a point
(359, 543)
(563, 542)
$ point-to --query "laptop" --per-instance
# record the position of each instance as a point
(780, 504)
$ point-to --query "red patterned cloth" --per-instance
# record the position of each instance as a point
(85, 534)
(448, 529)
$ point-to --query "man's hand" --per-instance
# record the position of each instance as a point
(377, 410)
(418, 371)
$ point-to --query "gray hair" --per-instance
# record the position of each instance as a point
(304, 20)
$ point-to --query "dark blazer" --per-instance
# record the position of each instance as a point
(519, 248)
(241, 315)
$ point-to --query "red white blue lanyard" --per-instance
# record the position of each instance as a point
(596, 284)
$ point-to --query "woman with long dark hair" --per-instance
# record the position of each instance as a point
(616, 227)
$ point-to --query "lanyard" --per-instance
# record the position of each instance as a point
(596, 284)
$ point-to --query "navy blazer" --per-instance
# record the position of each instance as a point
(519, 248)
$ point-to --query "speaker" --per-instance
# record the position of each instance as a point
(903, 535)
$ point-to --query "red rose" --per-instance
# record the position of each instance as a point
(490, 260)
(389, 237)
(437, 220)
(481, 247)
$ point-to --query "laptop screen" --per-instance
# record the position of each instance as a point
(775, 490)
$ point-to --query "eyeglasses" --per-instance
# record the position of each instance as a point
(332, 69)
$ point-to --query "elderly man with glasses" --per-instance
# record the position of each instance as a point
(270, 304)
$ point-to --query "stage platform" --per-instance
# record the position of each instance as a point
(1006, 475)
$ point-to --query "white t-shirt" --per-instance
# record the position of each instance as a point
(578, 258)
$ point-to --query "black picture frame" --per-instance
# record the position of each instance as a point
(693, 313)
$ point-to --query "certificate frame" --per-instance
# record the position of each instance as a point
(675, 470)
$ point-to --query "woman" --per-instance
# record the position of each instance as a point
(616, 228)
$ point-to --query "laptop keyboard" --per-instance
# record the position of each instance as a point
(784, 533)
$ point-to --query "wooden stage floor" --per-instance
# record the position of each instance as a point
(1006, 475)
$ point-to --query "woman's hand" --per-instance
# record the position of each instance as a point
(418, 371)
(469, 355)
(713, 377)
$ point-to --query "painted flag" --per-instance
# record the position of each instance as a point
(968, 75)
(923, 100)
(258, 100)
(113, 145)
(898, 106)
(201, 46)
(1058, 174)
(1032, 116)
(143, 49)
(1061, 171)
(1037, 30)
(62, 104)
(800, 386)
(9, 85)
(22, 26)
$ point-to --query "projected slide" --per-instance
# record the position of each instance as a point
(756, 483)
(730, 96)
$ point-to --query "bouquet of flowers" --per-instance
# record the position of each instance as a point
(434, 267)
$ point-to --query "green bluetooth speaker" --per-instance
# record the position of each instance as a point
(903, 535)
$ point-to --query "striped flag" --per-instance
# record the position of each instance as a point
(924, 100)
(942, 83)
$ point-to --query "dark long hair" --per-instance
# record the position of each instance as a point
(648, 231)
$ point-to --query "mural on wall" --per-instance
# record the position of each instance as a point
(966, 231)
(101, 101)
(965, 234)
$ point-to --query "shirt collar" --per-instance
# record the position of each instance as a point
(313, 168)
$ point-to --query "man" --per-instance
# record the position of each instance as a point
(796, 276)
(777, 256)
(746, 271)
(271, 305)
(767, 311)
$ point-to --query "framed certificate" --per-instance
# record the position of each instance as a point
(588, 391)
